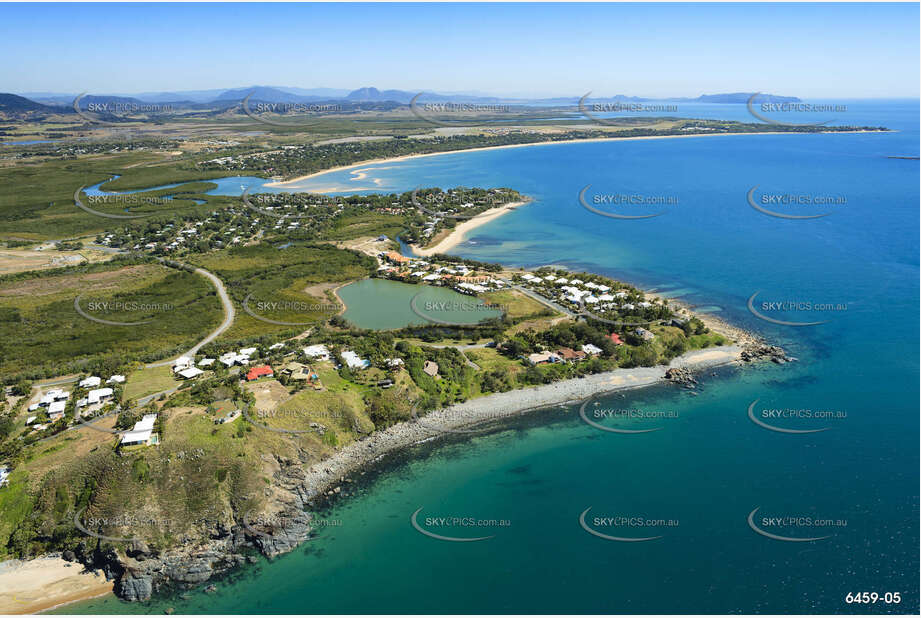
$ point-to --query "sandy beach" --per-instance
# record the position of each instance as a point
(285, 183)
(462, 229)
(28, 587)
(457, 419)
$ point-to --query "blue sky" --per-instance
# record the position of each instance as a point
(806, 50)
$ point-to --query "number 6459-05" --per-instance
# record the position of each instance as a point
(873, 597)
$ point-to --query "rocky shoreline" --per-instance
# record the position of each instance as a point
(139, 572)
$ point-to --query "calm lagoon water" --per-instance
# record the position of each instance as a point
(382, 304)
(709, 466)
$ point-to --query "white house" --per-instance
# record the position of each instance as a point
(141, 433)
(116, 379)
(206, 362)
(99, 394)
(248, 351)
(190, 372)
(318, 352)
(56, 409)
(354, 361)
(90, 382)
(590, 349)
(277, 346)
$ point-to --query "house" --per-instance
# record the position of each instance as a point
(616, 339)
(430, 368)
(141, 434)
(258, 372)
(56, 410)
(354, 361)
(116, 379)
(98, 395)
(318, 352)
(591, 350)
(568, 354)
(4, 475)
(541, 358)
(90, 382)
(190, 372)
(248, 351)
(31, 420)
(277, 346)
(644, 334)
(293, 367)
(182, 363)
(230, 359)
(206, 362)
(34, 407)
(394, 362)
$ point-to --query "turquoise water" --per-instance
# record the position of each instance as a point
(382, 304)
(709, 466)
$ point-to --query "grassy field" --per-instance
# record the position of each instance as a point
(268, 275)
(147, 381)
(42, 334)
(518, 305)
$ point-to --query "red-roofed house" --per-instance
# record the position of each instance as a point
(616, 339)
(258, 372)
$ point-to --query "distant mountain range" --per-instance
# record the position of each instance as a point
(219, 99)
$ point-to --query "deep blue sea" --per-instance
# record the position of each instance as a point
(709, 466)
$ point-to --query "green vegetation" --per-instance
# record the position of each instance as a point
(42, 334)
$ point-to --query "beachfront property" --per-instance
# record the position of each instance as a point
(542, 358)
(141, 434)
(603, 297)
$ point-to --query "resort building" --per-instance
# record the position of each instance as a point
(354, 361)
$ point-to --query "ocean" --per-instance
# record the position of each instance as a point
(701, 484)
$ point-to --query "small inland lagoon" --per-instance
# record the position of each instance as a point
(381, 304)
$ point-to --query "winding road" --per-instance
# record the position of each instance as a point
(229, 314)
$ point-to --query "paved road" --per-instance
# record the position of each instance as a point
(229, 314)
(544, 301)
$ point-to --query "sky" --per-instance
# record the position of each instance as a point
(808, 50)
